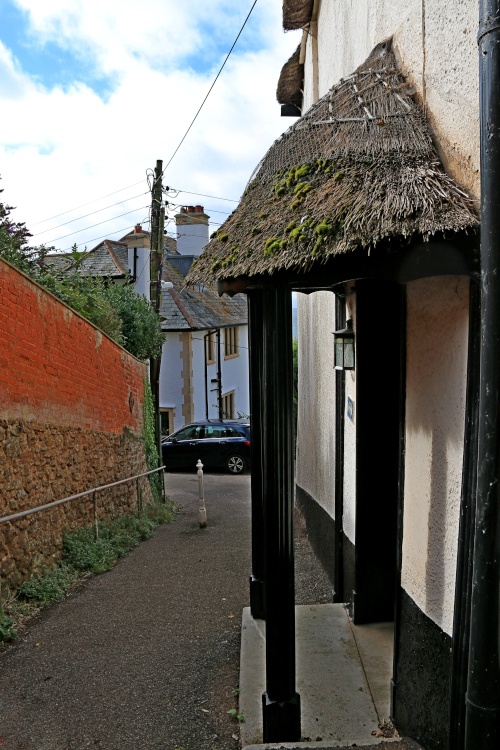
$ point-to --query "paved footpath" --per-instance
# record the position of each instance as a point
(145, 656)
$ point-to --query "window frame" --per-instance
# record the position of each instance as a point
(210, 348)
(169, 412)
(231, 342)
(229, 400)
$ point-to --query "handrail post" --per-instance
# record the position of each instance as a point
(139, 497)
(96, 522)
(203, 510)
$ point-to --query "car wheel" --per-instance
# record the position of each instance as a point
(235, 464)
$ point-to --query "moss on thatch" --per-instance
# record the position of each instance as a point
(357, 169)
(296, 13)
(290, 83)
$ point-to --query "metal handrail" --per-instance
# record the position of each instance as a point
(29, 512)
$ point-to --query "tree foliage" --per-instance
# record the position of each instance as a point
(116, 309)
(141, 331)
(14, 237)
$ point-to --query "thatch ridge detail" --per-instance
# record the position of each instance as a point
(296, 13)
(289, 89)
(357, 169)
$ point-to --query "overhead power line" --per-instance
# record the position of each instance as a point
(79, 231)
(211, 87)
(128, 229)
(86, 204)
(123, 231)
(98, 210)
(202, 195)
(187, 192)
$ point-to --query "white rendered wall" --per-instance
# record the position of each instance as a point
(142, 269)
(170, 378)
(213, 406)
(235, 373)
(192, 238)
(349, 29)
(315, 459)
(437, 343)
(234, 377)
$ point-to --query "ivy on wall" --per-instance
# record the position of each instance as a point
(149, 441)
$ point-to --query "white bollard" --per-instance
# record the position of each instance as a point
(203, 510)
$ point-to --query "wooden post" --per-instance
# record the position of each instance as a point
(280, 702)
(257, 600)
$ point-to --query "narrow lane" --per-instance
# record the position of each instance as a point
(146, 655)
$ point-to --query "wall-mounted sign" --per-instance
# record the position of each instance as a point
(350, 408)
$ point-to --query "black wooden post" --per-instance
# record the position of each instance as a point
(280, 702)
(257, 605)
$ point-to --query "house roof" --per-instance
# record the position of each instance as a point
(357, 169)
(59, 262)
(289, 90)
(182, 308)
(296, 13)
(198, 307)
(108, 258)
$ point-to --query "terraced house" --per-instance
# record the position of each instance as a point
(369, 207)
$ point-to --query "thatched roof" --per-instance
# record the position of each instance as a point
(296, 13)
(291, 80)
(357, 169)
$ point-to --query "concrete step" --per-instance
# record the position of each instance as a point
(339, 708)
(387, 744)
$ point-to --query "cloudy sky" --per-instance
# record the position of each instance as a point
(93, 92)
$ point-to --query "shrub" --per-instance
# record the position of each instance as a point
(49, 587)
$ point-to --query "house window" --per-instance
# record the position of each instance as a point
(228, 405)
(167, 421)
(210, 347)
(231, 342)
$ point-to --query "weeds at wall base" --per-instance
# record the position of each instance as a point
(83, 555)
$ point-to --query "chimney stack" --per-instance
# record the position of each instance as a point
(138, 260)
(192, 230)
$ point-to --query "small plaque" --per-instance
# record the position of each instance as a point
(350, 408)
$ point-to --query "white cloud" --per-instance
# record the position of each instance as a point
(62, 148)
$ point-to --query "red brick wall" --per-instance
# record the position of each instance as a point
(71, 418)
(56, 367)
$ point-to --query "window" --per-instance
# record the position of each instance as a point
(228, 405)
(194, 432)
(167, 421)
(210, 347)
(231, 342)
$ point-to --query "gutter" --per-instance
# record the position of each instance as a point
(482, 722)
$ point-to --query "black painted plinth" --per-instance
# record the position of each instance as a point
(257, 599)
(281, 719)
(482, 726)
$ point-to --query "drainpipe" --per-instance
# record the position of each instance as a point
(219, 374)
(482, 723)
(205, 337)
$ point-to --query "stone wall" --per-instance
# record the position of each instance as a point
(71, 418)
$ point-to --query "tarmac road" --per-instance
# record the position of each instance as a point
(146, 655)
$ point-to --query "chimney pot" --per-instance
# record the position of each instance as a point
(198, 209)
(138, 229)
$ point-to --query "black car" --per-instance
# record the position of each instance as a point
(217, 443)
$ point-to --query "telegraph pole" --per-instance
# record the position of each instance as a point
(157, 225)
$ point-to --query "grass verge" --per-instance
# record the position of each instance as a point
(83, 555)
